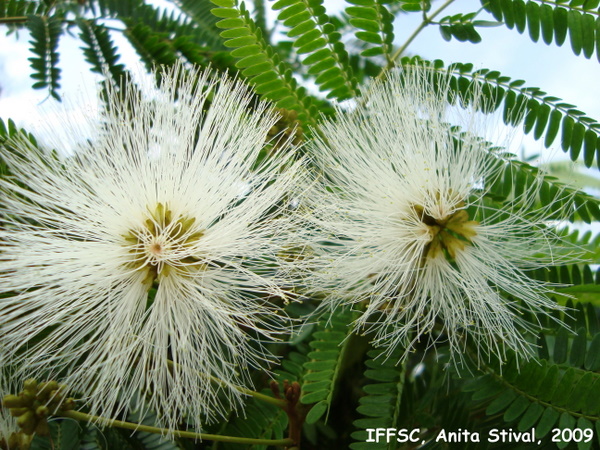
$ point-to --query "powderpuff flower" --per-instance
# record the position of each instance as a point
(411, 236)
(144, 264)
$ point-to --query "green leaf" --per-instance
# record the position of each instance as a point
(312, 46)
(575, 31)
(517, 408)
(566, 421)
(561, 346)
(242, 41)
(539, 112)
(531, 416)
(225, 13)
(560, 25)
(546, 423)
(500, 403)
(588, 24)
(533, 20)
(547, 23)
(372, 38)
(374, 18)
(317, 411)
(592, 359)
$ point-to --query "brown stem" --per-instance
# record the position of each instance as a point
(294, 409)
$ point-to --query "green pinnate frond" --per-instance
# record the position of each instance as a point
(315, 36)
(539, 395)
(45, 33)
(206, 23)
(330, 346)
(161, 37)
(99, 49)
(557, 390)
(381, 405)
(516, 177)
(201, 31)
(21, 8)
(586, 240)
(375, 23)
(553, 21)
(542, 115)
(153, 48)
(259, 63)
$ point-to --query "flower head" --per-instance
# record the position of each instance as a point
(411, 232)
(145, 262)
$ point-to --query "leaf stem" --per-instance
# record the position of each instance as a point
(77, 415)
(19, 19)
(263, 398)
(427, 20)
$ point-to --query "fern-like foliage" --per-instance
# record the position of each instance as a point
(417, 397)
(560, 389)
(382, 403)
(153, 48)
(99, 49)
(271, 78)
(314, 35)
(581, 281)
(162, 37)
(516, 177)
(45, 33)
(375, 23)
(330, 345)
(541, 115)
(199, 13)
(553, 21)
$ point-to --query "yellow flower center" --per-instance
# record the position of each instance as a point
(448, 235)
(164, 244)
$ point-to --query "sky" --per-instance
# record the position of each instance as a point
(574, 79)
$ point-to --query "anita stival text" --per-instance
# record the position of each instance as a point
(387, 435)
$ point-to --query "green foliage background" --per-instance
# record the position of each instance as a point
(346, 387)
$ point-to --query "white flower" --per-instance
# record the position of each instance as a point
(145, 262)
(411, 233)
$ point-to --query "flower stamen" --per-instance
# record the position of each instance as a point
(447, 235)
(164, 243)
